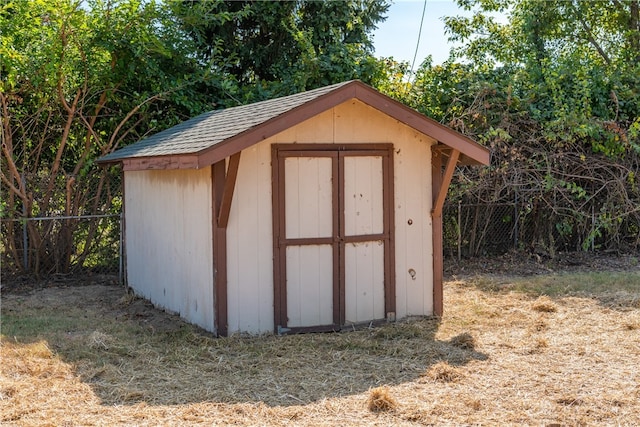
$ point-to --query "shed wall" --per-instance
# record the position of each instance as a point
(169, 247)
(249, 234)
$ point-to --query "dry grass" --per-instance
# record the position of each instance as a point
(464, 340)
(444, 372)
(79, 356)
(544, 304)
(380, 400)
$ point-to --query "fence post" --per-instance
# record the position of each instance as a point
(459, 230)
(25, 235)
(121, 252)
(516, 215)
(593, 228)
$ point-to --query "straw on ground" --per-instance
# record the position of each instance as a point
(85, 356)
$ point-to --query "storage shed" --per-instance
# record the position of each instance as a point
(315, 211)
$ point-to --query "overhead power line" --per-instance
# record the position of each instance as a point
(413, 63)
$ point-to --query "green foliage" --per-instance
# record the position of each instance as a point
(78, 80)
(81, 78)
(554, 92)
(575, 65)
(266, 49)
(392, 79)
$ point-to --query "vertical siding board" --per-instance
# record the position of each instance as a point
(251, 293)
(264, 236)
(173, 239)
(416, 249)
(250, 201)
(400, 226)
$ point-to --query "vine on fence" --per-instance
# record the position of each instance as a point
(565, 196)
(79, 231)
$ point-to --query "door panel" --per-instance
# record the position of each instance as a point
(363, 213)
(333, 263)
(309, 285)
(364, 282)
(308, 197)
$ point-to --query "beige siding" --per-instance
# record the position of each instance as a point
(168, 235)
(249, 238)
(249, 245)
(414, 246)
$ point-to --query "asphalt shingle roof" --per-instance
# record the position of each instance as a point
(209, 129)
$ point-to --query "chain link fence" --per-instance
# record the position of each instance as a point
(65, 245)
(471, 230)
(41, 239)
(487, 229)
(66, 226)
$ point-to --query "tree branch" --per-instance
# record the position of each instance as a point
(590, 37)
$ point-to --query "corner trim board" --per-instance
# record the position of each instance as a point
(223, 181)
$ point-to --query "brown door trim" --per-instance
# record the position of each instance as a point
(388, 205)
(338, 152)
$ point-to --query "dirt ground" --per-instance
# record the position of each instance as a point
(550, 343)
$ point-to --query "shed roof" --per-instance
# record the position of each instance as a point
(215, 135)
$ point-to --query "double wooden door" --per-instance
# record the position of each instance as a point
(333, 240)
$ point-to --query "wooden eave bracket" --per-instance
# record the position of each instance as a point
(446, 180)
(229, 187)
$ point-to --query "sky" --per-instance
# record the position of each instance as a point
(398, 35)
